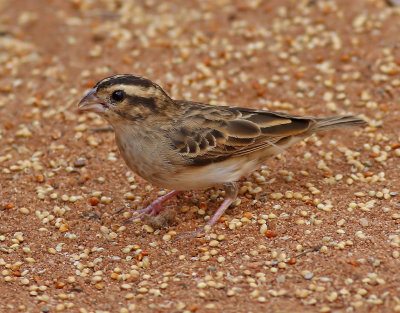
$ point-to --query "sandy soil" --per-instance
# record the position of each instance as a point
(317, 230)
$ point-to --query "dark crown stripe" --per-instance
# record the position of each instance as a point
(125, 80)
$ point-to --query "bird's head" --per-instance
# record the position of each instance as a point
(125, 97)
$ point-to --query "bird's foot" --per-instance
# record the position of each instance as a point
(152, 209)
(155, 207)
(231, 193)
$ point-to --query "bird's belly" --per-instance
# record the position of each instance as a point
(184, 177)
(230, 170)
(157, 170)
(192, 177)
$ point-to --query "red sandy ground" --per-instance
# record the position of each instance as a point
(330, 204)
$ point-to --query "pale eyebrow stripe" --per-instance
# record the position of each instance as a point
(125, 80)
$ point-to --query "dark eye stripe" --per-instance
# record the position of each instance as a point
(147, 102)
(128, 116)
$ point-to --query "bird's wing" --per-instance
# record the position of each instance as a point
(210, 134)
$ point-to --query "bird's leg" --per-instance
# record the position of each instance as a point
(156, 206)
(231, 191)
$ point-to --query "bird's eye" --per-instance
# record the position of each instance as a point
(118, 95)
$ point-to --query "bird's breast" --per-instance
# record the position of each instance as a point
(144, 157)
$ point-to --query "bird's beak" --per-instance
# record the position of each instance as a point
(91, 102)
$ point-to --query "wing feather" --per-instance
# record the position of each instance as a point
(211, 134)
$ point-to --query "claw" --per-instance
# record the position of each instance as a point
(155, 207)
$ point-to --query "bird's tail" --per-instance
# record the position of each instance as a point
(335, 122)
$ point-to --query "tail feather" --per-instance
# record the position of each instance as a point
(335, 122)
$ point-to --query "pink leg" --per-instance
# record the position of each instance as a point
(231, 191)
(156, 206)
(220, 211)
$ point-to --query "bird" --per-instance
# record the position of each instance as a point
(184, 145)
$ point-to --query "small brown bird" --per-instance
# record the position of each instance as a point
(185, 145)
